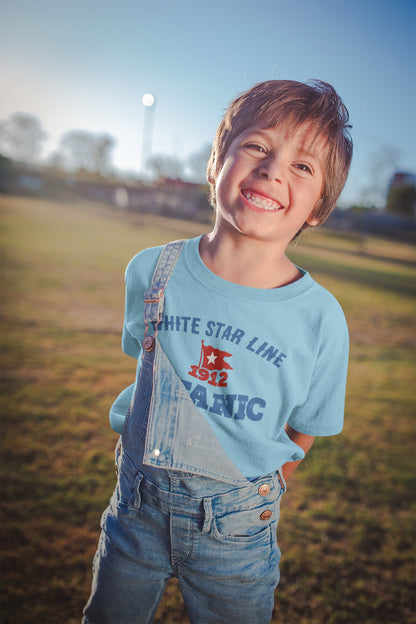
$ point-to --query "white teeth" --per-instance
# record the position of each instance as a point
(261, 202)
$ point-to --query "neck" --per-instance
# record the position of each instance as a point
(246, 261)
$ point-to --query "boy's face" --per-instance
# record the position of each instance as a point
(270, 182)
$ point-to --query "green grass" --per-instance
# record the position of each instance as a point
(348, 520)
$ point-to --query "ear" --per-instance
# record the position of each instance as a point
(312, 220)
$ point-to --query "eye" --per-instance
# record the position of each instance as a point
(255, 147)
(303, 167)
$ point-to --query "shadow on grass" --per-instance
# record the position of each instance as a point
(397, 283)
(360, 251)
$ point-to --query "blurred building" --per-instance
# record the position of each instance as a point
(167, 197)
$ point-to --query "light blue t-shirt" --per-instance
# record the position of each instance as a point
(251, 359)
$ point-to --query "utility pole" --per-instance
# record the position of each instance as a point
(149, 104)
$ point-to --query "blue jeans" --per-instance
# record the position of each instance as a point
(182, 509)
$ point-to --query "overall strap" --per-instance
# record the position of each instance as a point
(154, 299)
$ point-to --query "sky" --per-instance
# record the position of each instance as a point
(86, 64)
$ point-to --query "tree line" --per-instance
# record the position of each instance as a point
(22, 138)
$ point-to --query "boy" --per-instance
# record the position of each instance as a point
(242, 360)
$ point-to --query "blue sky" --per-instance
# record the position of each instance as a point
(86, 64)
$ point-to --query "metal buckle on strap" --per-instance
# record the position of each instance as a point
(153, 295)
(148, 343)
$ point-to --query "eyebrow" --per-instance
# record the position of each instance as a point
(305, 152)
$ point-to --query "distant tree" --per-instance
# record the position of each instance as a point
(382, 165)
(77, 150)
(21, 137)
(55, 161)
(197, 163)
(402, 200)
(165, 166)
(104, 144)
(83, 150)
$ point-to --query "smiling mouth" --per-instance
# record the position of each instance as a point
(260, 201)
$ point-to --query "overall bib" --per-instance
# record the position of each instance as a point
(181, 507)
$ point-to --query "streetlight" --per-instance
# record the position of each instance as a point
(149, 104)
(148, 100)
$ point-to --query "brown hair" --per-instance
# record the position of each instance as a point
(293, 103)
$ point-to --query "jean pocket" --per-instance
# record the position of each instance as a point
(117, 456)
(247, 525)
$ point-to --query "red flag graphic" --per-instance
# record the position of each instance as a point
(213, 359)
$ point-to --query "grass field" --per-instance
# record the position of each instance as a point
(347, 527)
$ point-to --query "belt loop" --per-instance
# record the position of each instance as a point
(207, 515)
(281, 480)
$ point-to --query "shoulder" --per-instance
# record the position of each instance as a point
(328, 303)
(142, 263)
(324, 303)
(324, 313)
(141, 267)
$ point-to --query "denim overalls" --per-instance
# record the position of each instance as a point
(181, 507)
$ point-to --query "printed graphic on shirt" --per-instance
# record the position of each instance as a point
(236, 406)
(211, 366)
(227, 333)
(210, 374)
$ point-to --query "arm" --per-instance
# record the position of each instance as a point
(301, 439)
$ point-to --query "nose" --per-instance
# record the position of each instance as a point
(271, 168)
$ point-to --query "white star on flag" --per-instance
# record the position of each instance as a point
(211, 358)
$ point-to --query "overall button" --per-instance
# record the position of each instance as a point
(264, 489)
(148, 343)
(266, 515)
